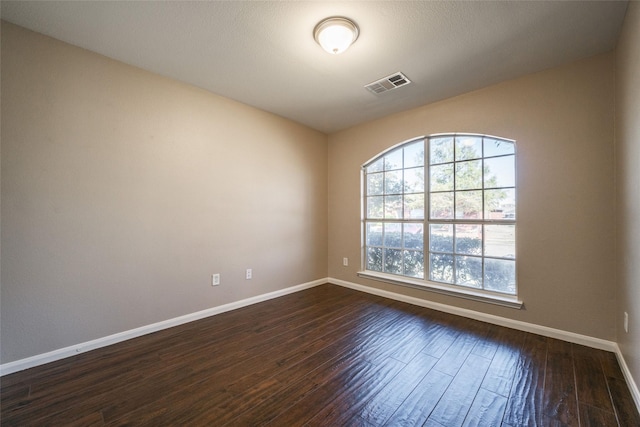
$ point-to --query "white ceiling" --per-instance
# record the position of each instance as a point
(263, 53)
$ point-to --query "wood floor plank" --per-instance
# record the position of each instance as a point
(623, 403)
(282, 398)
(455, 403)
(625, 410)
(487, 410)
(439, 340)
(499, 377)
(432, 423)
(456, 354)
(416, 408)
(55, 401)
(382, 406)
(610, 365)
(524, 407)
(554, 422)
(559, 399)
(591, 416)
(421, 339)
(491, 340)
(591, 383)
(13, 396)
(349, 376)
(352, 397)
(290, 386)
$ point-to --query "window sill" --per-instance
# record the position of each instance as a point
(470, 294)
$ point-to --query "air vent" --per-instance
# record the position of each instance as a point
(388, 83)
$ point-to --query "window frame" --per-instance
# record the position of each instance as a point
(426, 282)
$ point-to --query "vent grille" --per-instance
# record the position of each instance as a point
(388, 83)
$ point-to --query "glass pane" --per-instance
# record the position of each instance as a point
(500, 204)
(469, 271)
(414, 180)
(374, 207)
(414, 206)
(496, 147)
(376, 166)
(469, 205)
(441, 205)
(500, 172)
(468, 147)
(393, 261)
(374, 234)
(441, 268)
(440, 150)
(469, 175)
(393, 235)
(414, 154)
(393, 182)
(441, 238)
(393, 207)
(500, 275)
(500, 241)
(441, 177)
(393, 160)
(414, 264)
(469, 239)
(374, 259)
(374, 184)
(413, 236)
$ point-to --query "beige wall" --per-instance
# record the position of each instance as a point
(123, 191)
(628, 182)
(563, 122)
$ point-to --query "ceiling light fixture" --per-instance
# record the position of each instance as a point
(336, 34)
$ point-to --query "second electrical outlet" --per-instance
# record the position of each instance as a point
(249, 274)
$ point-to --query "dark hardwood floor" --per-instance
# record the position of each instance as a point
(327, 356)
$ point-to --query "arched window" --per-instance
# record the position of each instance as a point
(441, 210)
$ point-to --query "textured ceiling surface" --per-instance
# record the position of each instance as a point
(263, 53)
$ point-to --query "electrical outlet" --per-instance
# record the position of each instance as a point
(215, 279)
(345, 262)
(626, 322)
(249, 274)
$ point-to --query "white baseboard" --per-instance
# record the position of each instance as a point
(509, 323)
(41, 359)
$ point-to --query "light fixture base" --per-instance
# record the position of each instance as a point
(336, 33)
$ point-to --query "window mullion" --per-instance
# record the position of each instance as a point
(483, 216)
(426, 259)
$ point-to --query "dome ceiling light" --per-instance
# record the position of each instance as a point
(336, 34)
